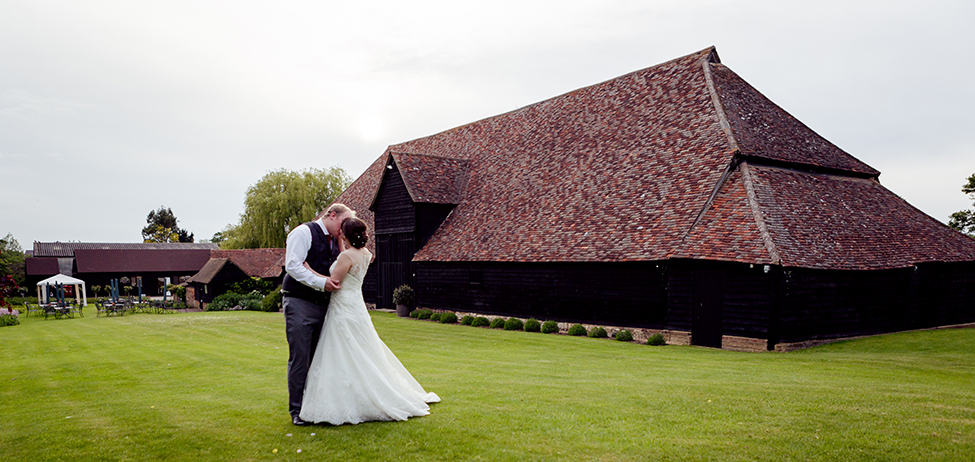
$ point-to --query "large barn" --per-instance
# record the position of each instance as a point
(675, 198)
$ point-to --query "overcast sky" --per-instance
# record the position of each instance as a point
(110, 109)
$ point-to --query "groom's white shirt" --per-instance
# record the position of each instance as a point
(298, 243)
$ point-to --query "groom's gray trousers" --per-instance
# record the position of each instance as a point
(303, 325)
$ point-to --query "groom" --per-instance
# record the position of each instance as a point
(306, 294)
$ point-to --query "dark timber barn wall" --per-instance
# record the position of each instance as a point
(627, 293)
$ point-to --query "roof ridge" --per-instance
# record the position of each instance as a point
(436, 156)
(718, 106)
(773, 250)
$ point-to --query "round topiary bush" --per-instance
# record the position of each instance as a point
(550, 327)
(514, 324)
(424, 314)
(415, 314)
(533, 325)
(656, 340)
(467, 320)
(624, 336)
(598, 332)
(577, 329)
(480, 321)
(497, 323)
(448, 318)
(435, 317)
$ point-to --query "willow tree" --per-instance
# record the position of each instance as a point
(281, 200)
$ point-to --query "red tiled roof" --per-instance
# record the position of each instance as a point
(680, 160)
(210, 270)
(41, 266)
(822, 221)
(140, 260)
(255, 262)
(762, 129)
(66, 249)
(432, 179)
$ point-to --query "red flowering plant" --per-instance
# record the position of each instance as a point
(7, 288)
(8, 315)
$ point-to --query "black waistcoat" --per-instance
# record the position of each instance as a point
(320, 257)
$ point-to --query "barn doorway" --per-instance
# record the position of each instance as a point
(394, 256)
(706, 325)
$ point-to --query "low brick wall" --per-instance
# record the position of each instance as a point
(746, 344)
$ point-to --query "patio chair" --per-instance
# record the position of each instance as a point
(77, 308)
(100, 308)
(28, 309)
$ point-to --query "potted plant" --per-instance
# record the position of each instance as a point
(403, 298)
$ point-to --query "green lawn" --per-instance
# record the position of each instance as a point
(212, 386)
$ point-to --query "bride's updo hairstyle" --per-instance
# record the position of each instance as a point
(356, 231)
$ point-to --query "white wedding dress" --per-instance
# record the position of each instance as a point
(354, 377)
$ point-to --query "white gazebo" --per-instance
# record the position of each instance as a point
(80, 294)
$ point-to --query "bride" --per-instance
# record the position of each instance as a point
(354, 377)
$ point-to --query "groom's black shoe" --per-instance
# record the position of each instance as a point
(297, 421)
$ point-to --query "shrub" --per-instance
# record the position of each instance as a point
(8, 320)
(9, 317)
(424, 314)
(179, 292)
(403, 295)
(577, 329)
(224, 302)
(467, 320)
(497, 323)
(448, 318)
(598, 332)
(272, 302)
(514, 324)
(656, 340)
(549, 327)
(415, 314)
(252, 284)
(480, 321)
(435, 317)
(533, 325)
(624, 336)
(251, 301)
